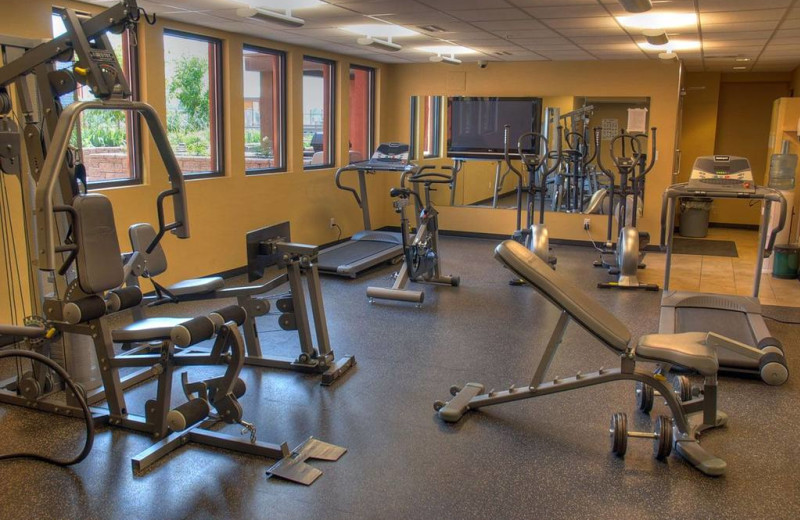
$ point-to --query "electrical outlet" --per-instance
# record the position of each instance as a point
(587, 223)
(332, 223)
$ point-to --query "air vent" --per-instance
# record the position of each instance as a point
(502, 53)
(431, 28)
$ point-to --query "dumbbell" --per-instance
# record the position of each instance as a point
(645, 395)
(662, 435)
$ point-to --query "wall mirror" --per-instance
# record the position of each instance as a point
(471, 131)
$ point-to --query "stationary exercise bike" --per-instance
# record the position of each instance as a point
(534, 236)
(422, 262)
(626, 259)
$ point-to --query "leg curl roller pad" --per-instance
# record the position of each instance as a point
(188, 414)
(193, 331)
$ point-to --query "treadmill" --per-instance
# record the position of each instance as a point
(367, 248)
(736, 317)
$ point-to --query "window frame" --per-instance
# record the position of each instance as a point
(331, 137)
(133, 122)
(218, 99)
(412, 141)
(436, 129)
(282, 127)
(372, 72)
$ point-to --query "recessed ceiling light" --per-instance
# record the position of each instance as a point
(660, 20)
(742, 59)
(673, 45)
(284, 4)
(656, 36)
(380, 30)
(667, 56)
(446, 49)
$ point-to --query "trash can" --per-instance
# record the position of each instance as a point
(782, 168)
(694, 217)
(787, 261)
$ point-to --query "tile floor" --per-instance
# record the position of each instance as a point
(721, 274)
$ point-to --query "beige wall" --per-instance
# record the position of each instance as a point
(222, 209)
(659, 81)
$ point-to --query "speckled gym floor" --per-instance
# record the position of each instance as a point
(541, 458)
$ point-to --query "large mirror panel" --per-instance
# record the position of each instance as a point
(472, 130)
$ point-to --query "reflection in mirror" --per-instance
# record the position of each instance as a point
(574, 186)
(425, 142)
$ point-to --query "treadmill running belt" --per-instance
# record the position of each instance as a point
(353, 252)
(731, 324)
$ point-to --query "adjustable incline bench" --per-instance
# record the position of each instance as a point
(695, 351)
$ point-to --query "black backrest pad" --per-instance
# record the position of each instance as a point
(99, 261)
(581, 307)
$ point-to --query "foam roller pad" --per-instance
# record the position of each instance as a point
(188, 414)
(193, 331)
(83, 310)
(120, 299)
(231, 313)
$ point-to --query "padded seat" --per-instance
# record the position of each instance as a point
(196, 286)
(687, 350)
(148, 329)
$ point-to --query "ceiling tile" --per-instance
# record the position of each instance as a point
(486, 15)
(567, 11)
(731, 5)
(757, 15)
(593, 22)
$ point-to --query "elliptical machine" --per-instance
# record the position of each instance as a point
(626, 259)
(422, 262)
(533, 236)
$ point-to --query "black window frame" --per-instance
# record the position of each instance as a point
(331, 137)
(371, 117)
(134, 123)
(412, 141)
(218, 101)
(283, 107)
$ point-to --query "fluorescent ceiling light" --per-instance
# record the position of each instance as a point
(446, 49)
(265, 15)
(387, 45)
(284, 4)
(452, 60)
(667, 56)
(673, 45)
(740, 68)
(660, 20)
(379, 30)
(742, 59)
(636, 6)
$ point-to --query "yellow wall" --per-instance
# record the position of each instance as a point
(659, 81)
(729, 114)
(223, 209)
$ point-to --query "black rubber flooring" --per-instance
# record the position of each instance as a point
(541, 458)
(695, 246)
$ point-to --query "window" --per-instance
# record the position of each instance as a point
(264, 102)
(362, 108)
(107, 140)
(432, 118)
(193, 72)
(318, 112)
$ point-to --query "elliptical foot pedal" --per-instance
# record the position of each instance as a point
(337, 370)
(455, 408)
(293, 466)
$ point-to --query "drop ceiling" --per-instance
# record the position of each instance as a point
(765, 32)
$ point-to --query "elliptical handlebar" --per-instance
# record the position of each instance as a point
(533, 159)
(506, 156)
(635, 149)
(606, 172)
(652, 161)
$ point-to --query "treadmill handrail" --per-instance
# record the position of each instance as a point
(358, 167)
(680, 191)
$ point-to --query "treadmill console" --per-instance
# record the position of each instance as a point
(722, 173)
(388, 157)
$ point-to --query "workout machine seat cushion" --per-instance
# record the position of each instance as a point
(148, 329)
(142, 236)
(559, 290)
(687, 349)
(99, 260)
(197, 286)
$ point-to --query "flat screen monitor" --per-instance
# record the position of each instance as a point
(476, 125)
(261, 251)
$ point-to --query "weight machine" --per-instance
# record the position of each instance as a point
(75, 266)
